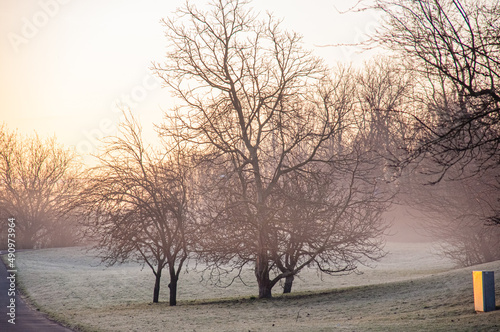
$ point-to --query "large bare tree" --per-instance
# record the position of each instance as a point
(37, 178)
(454, 45)
(136, 202)
(263, 112)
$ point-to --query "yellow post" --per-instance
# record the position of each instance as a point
(484, 290)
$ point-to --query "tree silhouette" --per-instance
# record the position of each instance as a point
(37, 179)
(262, 112)
(136, 202)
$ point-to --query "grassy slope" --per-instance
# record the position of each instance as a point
(71, 286)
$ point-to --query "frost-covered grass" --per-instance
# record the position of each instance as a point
(411, 289)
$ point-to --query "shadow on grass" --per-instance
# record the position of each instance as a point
(354, 290)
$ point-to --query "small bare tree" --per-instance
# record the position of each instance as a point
(136, 201)
(37, 179)
(455, 213)
(328, 218)
(260, 109)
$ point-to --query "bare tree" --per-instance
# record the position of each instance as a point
(261, 110)
(455, 45)
(453, 48)
(385, 88)
(37, 178)
(329, 218)
(137, 206)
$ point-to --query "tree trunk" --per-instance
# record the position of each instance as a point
(156, 292)
(26, 242)
(173, 288)
(24, 236)
(288, 284)
(262, 274)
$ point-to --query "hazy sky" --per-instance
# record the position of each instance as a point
(66, 63)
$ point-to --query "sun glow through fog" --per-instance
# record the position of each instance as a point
(66, 64)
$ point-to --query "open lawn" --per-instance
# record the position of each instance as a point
(409, 290)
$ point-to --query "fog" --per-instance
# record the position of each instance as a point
(169, 132)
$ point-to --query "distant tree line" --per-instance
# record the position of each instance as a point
(38, 179)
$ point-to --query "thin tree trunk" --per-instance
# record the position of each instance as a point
(173, 288)
(156, 292)
(27, 242)
(288, 284)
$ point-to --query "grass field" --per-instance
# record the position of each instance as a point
(409, 290)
